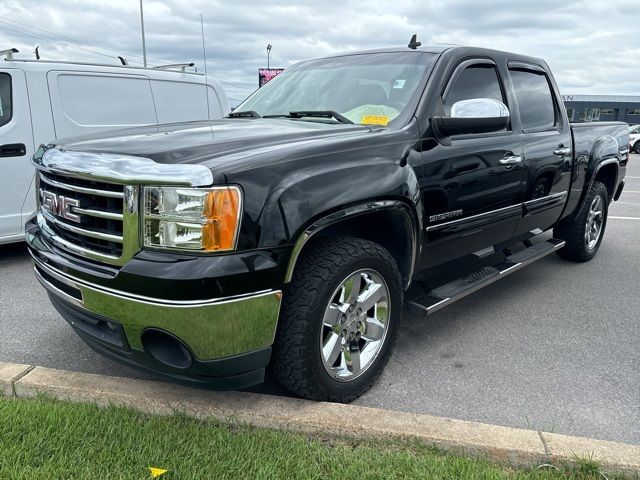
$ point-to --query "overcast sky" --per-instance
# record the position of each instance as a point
(593, 47)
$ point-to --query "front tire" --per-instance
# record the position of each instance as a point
(636, 147)
(583, 235)
(339, 320)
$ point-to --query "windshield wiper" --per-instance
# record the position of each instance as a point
(244, 114)
(320, 114)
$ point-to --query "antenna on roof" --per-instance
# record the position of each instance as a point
(123, 60)
(414, 43)
(204, 57)
(8, 54)
(37, 53)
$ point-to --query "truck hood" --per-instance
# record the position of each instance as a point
(214, 143)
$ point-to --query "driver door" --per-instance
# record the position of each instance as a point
(472, 188)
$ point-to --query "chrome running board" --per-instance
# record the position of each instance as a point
(444, 295)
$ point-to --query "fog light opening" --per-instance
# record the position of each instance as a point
(166, 348)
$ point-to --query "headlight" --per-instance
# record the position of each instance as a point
(205, 219)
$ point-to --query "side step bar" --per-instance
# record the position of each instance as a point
(444, 295)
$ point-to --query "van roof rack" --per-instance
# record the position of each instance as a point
(8, 54)
(171, 66)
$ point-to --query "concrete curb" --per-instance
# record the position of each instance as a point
(506, 445)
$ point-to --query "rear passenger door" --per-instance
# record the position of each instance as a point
(547, 153)
(471, 189)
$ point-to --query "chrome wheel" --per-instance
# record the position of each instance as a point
(355, 325)
(595, 220)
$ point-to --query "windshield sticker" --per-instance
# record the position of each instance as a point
(374, 120)
(399, 83)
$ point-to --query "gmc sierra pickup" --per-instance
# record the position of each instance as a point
(293, 234)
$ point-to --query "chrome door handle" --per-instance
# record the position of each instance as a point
(513, 159)
(562, 151)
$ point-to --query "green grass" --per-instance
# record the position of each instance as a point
(48, 439)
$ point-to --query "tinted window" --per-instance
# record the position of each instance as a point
(477, 81)
(534, 99)
(5, 99)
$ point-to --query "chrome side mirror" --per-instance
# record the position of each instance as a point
(476, 115)
(479, 108)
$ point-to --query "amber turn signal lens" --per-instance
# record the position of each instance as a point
(222, 210)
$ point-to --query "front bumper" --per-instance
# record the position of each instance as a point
(224, 342)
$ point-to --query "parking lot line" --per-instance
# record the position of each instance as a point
(625, 218)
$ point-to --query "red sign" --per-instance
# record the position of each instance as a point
(266, 74)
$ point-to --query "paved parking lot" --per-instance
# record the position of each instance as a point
(556, 346)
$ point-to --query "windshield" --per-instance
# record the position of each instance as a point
(366, 88)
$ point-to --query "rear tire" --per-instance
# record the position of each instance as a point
(583, 235)
(320, 356)
(636, 147)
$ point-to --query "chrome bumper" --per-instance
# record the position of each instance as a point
(212, 328)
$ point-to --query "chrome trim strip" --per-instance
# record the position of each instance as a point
(73, 248)
(55, 290)
(75, 188)
(473, 217)
(78, 283)
(341, 215)
(544, 199)
(97, 213)
(120, 169)
(492, 212)
(81, 231)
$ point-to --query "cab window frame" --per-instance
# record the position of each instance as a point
(455, 74)
(535, 69)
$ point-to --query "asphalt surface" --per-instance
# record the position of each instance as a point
(555, 346)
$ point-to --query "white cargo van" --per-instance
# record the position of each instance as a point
(41, 101)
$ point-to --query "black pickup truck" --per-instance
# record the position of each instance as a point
(293, 234)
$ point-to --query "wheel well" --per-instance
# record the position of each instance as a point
(391, 229)
(608, 175)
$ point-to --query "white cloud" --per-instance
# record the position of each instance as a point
(591, 46)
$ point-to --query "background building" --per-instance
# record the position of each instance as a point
(601, 108)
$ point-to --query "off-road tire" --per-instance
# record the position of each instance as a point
(573, 232)
(296, 360)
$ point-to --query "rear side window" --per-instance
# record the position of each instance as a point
(475, 81)
(6, 107)
(535, 100)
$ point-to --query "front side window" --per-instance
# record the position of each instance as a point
(365, 88)
(476, 81)
(6, 107)
(535, 100)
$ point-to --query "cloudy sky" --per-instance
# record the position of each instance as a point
(593, 47)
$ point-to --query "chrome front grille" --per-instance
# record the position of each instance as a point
(99, 211)
(93, 220)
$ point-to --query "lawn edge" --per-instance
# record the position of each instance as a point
(505, 445)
